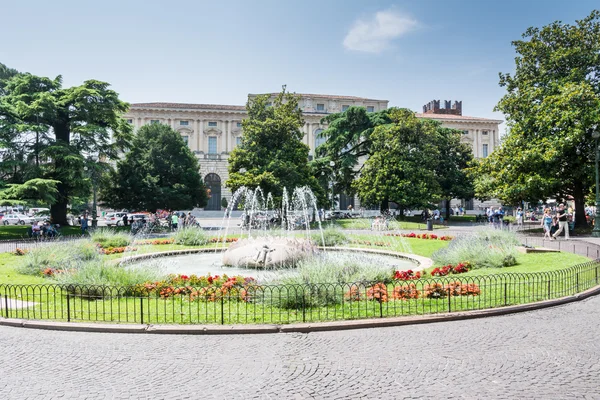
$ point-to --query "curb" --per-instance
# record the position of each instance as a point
(301, 328)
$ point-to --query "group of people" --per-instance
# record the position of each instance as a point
(554, 224)
(44, 230)
(495, 216)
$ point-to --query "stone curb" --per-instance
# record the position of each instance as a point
(302, 327)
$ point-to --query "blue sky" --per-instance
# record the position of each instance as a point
(408, 52)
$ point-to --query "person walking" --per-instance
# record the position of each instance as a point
(563, 222)
(84, 224)
(519, 218)
(547, 223)
(174, 221)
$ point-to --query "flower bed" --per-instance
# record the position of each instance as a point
(116, 250)
(220, 240)
(427, 236)
(155, 242)
(460, 268)
(369, 243)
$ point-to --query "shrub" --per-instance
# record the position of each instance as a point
(483, 249)
(109, 238)
(58, 257)
(331, 237)
(190, 236)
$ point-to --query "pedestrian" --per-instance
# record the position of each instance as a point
(519, 218)
(547, 223)
(124, 219)
(563, 222)
(84, 224)
(174, 221)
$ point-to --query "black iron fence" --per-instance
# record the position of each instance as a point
(11, 245)
(246, 302)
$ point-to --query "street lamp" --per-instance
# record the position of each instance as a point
(596, 230)
(332, 165)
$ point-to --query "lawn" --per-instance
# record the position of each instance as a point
(266, 307)
(11, 232)
(365, 223)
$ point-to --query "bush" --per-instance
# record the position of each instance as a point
(98, 274)
(318, 280)
(190, 236)
(483, 249)
(110, 238)
(331, 237)
(59, 256)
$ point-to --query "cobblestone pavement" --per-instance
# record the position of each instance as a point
(545, 354)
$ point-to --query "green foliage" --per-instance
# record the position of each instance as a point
(159, 172)
(272, 152)
(104, 273)
(40, 190)
(483, 249)
(224, 202)
(110, 238)
(331, 237)
(190, 236)
(552, 105)
(60, 256)
(69, 123)
(331, 268)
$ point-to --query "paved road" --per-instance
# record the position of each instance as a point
(546, 354)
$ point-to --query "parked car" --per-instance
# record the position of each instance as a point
(337, 214)
(115, 218)
(36, 210)
(41, 216)
(137, 217)
(17, 219)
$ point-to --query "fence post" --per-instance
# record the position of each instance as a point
(303, 305)
(505, 293)
(380, 307)
(68, 307)
(222, 310)
(548, 288)
(449, 301)
(142, 310)
(597, 265)
(577, 282)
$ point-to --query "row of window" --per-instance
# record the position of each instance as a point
(185, 123)
(212, 143)
(321, 107)
(484, 133)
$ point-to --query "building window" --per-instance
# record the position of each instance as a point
(485, 132)
(155, 121)
(370, 109)
(212, 123)
(465, 132)
(239, 124)
(485, 150)
(186, 139)
(238, 140)
(184, 123)
(212, 145)
(320, 107)
(130, 121)
(345, 107)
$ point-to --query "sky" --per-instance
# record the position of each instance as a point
(216, 52)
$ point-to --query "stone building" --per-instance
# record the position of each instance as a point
(212, 131)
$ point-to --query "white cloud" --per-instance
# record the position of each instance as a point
(375, 35)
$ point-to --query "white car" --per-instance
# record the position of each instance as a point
(115, 218)
(17, 219)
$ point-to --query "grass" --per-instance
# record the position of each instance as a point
(12, 232)
(52, 300)
(365, 223)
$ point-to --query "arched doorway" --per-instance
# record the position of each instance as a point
(213, 183)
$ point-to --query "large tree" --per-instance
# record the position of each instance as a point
(159, 172)
(402, 164)
(68, 124)
(552, 106)
(272, 155)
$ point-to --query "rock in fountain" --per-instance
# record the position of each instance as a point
(268, 252)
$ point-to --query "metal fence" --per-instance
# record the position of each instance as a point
(248, 302)
(11, 245)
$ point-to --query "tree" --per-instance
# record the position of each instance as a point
(402, 165)
(68, 124)
(159, 172)
(272, 155)
(348, 143)
(552, 106)
(452, 165)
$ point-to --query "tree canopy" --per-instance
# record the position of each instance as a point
(56, 128)
(272, 155)
(552, 106)
(159, 172)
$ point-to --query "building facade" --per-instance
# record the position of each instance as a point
(212, 131)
